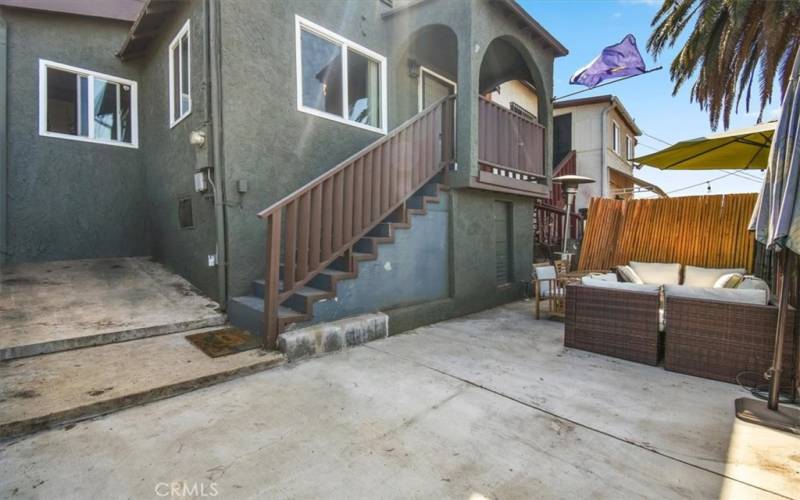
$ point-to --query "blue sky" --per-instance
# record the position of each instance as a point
(585, 27)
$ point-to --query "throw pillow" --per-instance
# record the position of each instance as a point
(629, 275)
(657, 273)
(730, 280)
(705, 277)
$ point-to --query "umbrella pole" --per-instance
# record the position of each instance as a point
(770, 415)
(780, 334)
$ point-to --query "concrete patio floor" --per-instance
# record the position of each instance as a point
(54, 306)
(486, 406)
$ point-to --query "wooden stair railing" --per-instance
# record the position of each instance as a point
(322, 220)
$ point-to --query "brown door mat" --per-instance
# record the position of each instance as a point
(224, 341)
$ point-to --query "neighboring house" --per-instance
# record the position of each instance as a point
(603, 135)
(518, 96)
(164, 127)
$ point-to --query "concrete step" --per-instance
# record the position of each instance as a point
(327, 278)
(247, 312)
(303, 299)
(60, 388)
(56, 306)
(33, 348)
(340, 264)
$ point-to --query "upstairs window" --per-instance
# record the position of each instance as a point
(631, 144)
(338, 79)
(615, 138)
(84, 105)
(180, 99)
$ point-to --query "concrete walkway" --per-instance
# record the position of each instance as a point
(489, 406)
(55, 306)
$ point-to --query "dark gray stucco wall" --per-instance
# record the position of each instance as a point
(268, 142)
(412, 270)
(67, 199)
(169, 161)
(277, 148)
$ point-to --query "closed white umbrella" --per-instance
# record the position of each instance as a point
(776, 222)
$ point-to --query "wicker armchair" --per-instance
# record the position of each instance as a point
(619, 323)
(546, 288)
(719, 340)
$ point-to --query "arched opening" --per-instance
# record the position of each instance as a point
(512, 111)
(431, 56)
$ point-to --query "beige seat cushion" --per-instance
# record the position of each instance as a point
(721, 294)
(657, 273)
(604, 276)
(619, 285)
(705, 277)
(753, 283)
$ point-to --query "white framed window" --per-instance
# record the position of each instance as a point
(432, 86)
(84, 105)
(631, 145)
(338, 79)
(180, 76)
(615, 137)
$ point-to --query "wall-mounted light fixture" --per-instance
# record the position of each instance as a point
(413, 68)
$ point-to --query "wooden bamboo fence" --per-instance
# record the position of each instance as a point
(706, 231)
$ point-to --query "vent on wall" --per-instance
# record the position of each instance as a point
(390, 3)
(185, 216)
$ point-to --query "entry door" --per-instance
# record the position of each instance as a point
(502, 241)
(432, 87)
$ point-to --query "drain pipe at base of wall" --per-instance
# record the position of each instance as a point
(603, 148)
(212, 81)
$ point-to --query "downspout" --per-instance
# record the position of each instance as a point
(213, 96)
(3, 144)
(603, 148)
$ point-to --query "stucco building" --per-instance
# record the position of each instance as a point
(603, 135)
(165, 128)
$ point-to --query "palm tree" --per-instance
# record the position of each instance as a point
(730, 42)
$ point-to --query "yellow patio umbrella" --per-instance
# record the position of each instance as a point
(744, 148)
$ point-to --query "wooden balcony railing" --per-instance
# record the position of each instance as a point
(310, 228)
(567, 166)
(550, 222)
(509, 144)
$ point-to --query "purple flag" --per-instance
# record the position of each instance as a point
(622, 59)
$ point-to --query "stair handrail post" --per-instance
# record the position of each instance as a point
(272, 279)
(448, 136)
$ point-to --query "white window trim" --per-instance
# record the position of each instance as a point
(185, 30)
(91, 75)
(423, 70)
(631, 144)
(615, 137)
(346, 44)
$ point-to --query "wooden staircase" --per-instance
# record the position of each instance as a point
(247, 311)
(317, 235)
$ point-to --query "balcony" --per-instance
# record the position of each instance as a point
(510, 152)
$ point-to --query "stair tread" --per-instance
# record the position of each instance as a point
(288, 312)
(334, 272)
(258, 303)
(310, 291)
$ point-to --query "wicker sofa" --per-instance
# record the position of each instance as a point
(615, 322)
(719, 340)
(717, 335)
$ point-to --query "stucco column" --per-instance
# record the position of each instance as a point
(466, 111)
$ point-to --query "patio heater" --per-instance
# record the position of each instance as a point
(569, 183)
